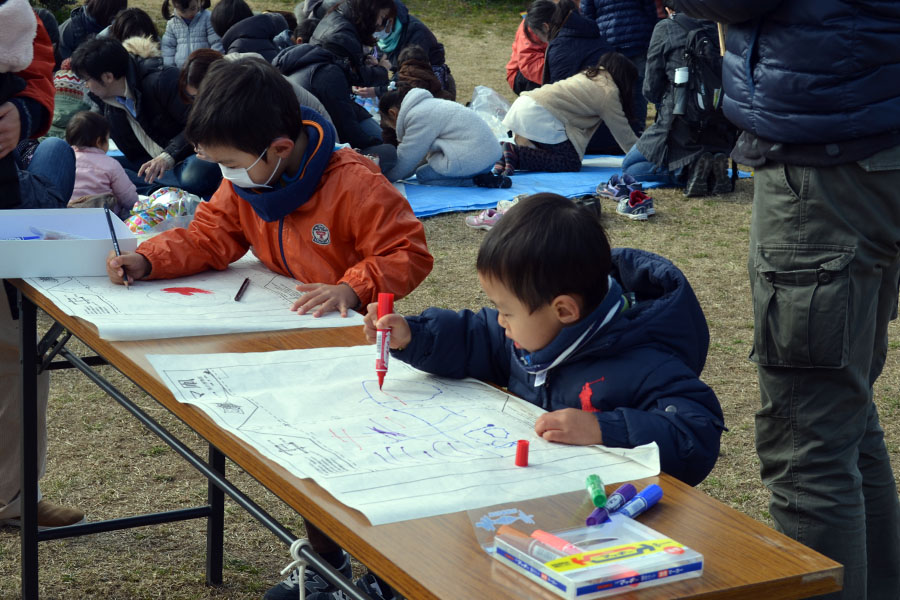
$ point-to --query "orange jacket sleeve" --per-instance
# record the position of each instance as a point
(214, 240)
(390, 239)
(38, 76)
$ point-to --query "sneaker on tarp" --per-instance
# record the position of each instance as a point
(618, 187)
(313, 582)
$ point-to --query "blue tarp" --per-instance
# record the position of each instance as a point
(428, 200)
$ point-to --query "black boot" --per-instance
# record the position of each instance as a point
(697, 183)
(721, 180)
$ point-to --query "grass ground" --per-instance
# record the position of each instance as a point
(103, 462)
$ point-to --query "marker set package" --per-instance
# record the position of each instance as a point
(597, 561)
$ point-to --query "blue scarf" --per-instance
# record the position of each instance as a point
(389, 44)
(295, 190)
(572, 338)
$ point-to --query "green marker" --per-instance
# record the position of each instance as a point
(595, 490)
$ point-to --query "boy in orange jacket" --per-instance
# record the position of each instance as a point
(326, 217)
(322, 216)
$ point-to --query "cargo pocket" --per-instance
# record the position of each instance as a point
(800, 305)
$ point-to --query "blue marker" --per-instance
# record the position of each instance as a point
(645, 499)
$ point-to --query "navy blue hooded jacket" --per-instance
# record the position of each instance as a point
(316, 69)
(626, 24)
(255, 34)
(640, 371)
(75, 30)
(810, 71)
(577, 46)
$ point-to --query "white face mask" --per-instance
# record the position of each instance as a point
(240, 176)
(380, 35)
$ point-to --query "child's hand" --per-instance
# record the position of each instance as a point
(400, 333)
(569, 426)
(132, 263)
(325, 298)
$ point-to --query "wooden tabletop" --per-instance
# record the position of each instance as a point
(439, 557)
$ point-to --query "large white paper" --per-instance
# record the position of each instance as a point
(201, 304)
(420, 447)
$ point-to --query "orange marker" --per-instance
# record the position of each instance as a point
(383, 337)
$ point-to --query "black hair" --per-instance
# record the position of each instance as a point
(99, 55)
(363, 14)
(288, 16)
(228, 13)
(181, 5)
(85, 128)
(393, 99)
(624, 74)
(243, 104)
(668, 4)
(550, 12)
(103, 11)
(133, 22)
(413, 52)
(546, 246)
(305, 29)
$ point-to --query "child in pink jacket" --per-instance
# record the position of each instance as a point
(95, 171)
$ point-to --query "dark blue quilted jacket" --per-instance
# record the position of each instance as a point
(577, 46)
(809, 71)
(626, 24)
(641, 370)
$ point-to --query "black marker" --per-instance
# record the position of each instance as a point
(242, 290)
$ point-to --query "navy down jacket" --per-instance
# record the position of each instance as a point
(626, 24)
(577, 46)
(640, 371)
(809, 71)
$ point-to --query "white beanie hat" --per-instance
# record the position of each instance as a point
(18, 26)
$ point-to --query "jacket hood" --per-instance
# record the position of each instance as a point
(143, 47)
(291, 60)
(577, 26)
(262, 26)
(667, 313)
(18, 26)
(402, 12)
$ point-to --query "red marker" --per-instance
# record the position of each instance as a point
(383, 337)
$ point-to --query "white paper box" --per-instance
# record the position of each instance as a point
(55, 258)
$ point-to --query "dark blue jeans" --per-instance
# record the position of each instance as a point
(54, 161)
(193, 175)
(636, 165)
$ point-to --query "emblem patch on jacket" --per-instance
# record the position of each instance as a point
(321, 235)
(586, 394)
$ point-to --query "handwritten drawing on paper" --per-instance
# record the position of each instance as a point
(422, 446)
(201, 304)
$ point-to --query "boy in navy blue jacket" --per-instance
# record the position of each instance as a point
(610, 342)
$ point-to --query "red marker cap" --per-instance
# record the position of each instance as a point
(385, 304)
(522, 453)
